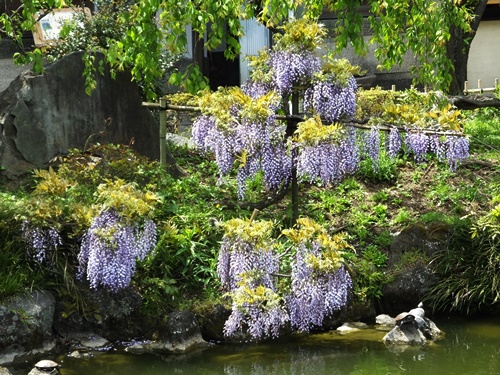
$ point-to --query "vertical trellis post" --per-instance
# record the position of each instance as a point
(163, 131)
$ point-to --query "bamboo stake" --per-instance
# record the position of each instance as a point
(163, 132)
(254, 214)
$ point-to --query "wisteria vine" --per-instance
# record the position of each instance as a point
(249, 137)
(249, 266)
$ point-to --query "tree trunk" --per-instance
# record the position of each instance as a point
(459, 47)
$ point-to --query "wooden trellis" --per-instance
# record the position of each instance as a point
(163, 106)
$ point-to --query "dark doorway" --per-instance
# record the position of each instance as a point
(221, 71)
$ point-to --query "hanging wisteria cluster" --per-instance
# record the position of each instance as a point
(292, 69)
(110, 249)
(41, 242)
(331, 100)
(256, 308)
(245, 247)
(257, 143)
(315, 293)
(250, 137)
(452, 148)
(260, 143)
(246, 265)
(325, 153)
(249, 265)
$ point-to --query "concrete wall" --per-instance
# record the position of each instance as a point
(399, 75)
(484, 56)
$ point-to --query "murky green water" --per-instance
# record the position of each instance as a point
(470, 347)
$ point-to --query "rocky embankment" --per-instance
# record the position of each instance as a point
(38, 323)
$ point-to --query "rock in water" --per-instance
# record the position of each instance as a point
(412, 328)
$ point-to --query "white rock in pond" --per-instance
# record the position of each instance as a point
(385, 320)
(349, 327)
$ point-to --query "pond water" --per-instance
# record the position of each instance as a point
(470, 347)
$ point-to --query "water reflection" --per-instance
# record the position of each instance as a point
(470, 347)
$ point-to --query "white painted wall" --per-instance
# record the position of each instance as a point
(256, 37)
(484, 55)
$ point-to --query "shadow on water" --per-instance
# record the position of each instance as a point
(470, 347)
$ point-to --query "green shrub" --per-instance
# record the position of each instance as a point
(369, 273)
(468, 268)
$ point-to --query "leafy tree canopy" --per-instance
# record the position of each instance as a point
(422, 27)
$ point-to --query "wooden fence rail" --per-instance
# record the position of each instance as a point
(479, 89)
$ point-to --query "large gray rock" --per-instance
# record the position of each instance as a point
(408, 335)
(411, 334)
(412, 280)
(42, 116)
(182, 333)
(411, 328)
(114, 316)
(26, 325)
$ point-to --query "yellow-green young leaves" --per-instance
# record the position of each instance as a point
(220, 102)
(252, 231)
(307, 231)
(127, 199)
(300, 35)
(312, 131)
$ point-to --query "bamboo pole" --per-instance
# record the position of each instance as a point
(479, 89)
(163, 131)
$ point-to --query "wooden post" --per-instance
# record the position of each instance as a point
(163, 131)
(466, 87)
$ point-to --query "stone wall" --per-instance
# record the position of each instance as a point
(42, 116)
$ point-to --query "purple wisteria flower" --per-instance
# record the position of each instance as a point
(315, 295)
(394, 142)
(418, 143)
(457, 150)
(331, 101)
(292, 68)
(41, 242)
(110, 249)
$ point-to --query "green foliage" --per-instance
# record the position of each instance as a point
(425, 31)
(408, 108)
(402, 217)
(483, 127)
(369, 271)
(191, 80)
(468, 267)
(16, 275)
(386, 169)
(131, 36)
